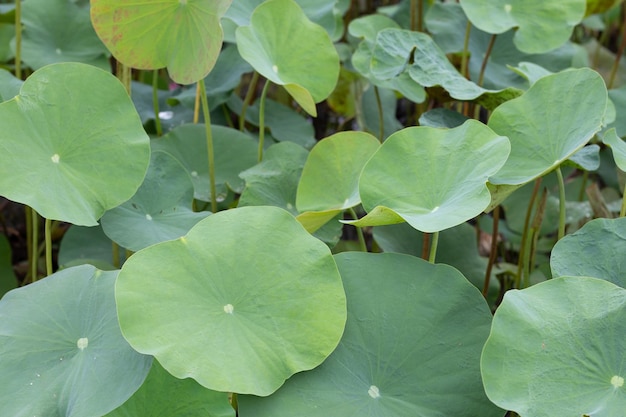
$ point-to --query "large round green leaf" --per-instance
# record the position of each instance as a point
(553, 120)
(431, 178)
(411, 347)
(162, 395)
(72, 144)
(557, 349)
(245, 300)
(234, 152)
(61, 350)
(159, 211)
(183, 35)
(542, 25)
(60, 31)
(595, 250)
(278, 30)
(330, 178)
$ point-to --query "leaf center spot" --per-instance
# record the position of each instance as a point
(149, 217)
(55, 158)
(58, 51)
(82, 343)
(507, 8)
(194, 174)
(617, 381)
(275, 69)
(228, 309)
(374, 392)
(435, 209)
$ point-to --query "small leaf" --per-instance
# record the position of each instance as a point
(579, 254)
(618, 146)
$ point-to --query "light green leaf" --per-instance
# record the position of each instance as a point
(432, 178)
(277, 29)
(163, 395)
(395, 359)
(557, 348)
(234, 152)
(232, 321)
(397, 51)
(61, 348)
(60, 31)
(580, 253)
(330, 178)
(531, 72)
(554, 119)
(183, 35)
(542, 25)
(61, 143)
(618, 146)
(160, 210)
